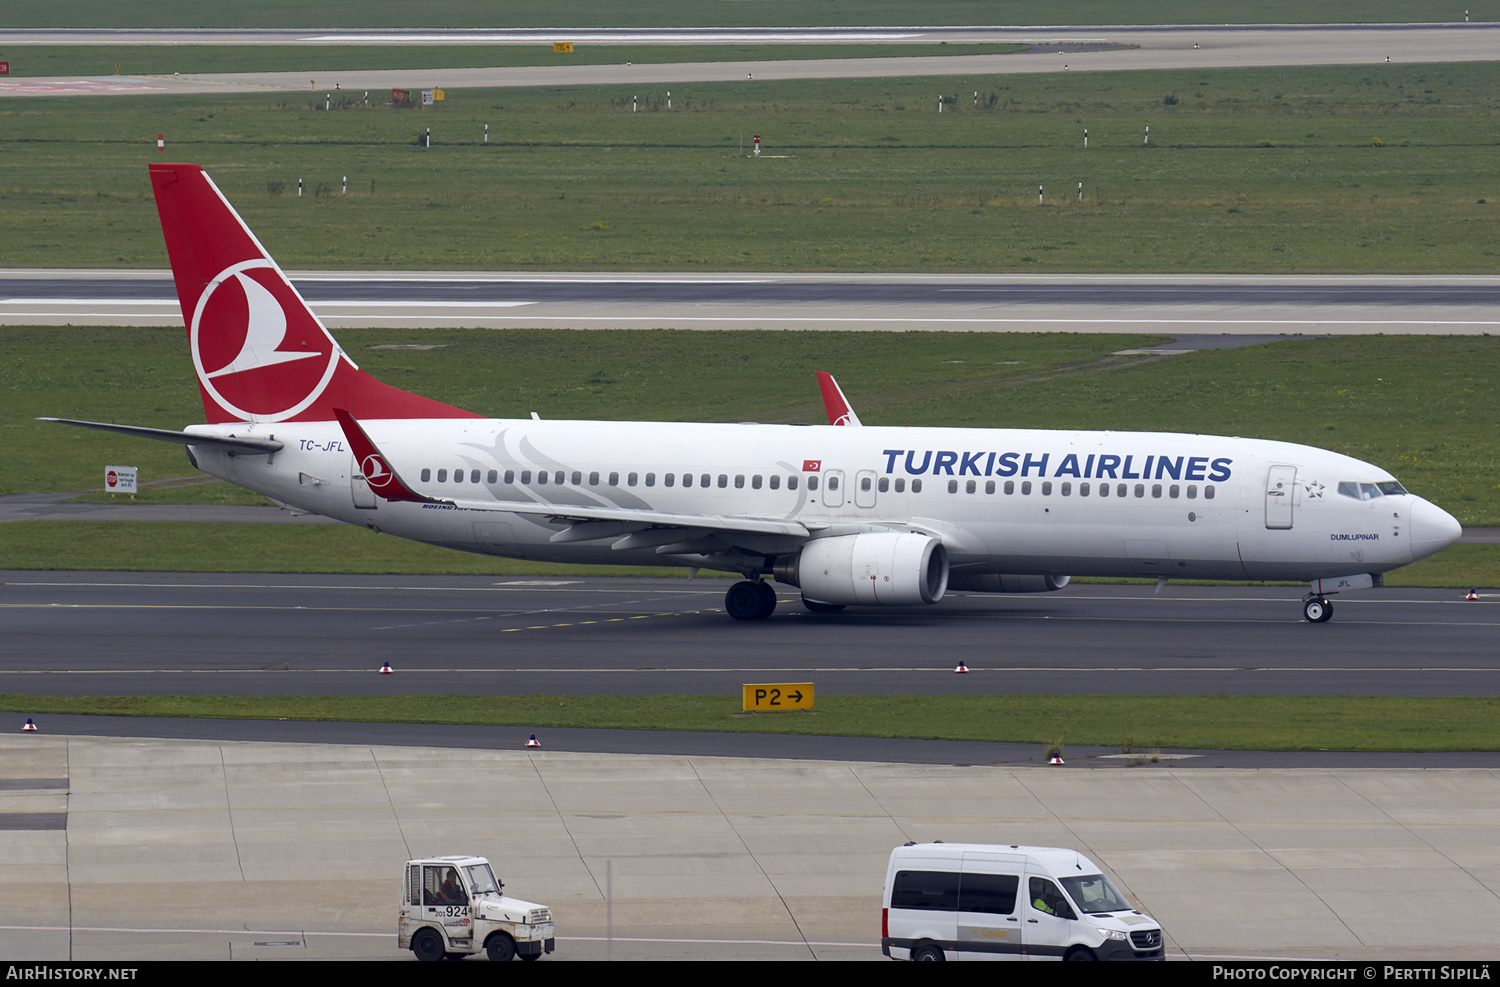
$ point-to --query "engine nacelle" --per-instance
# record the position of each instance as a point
(890, 569)
(992, 583)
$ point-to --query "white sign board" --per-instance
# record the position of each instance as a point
(119, 479)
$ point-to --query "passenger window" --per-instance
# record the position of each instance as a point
(541, 477)
(668, 479)
(510, 476)
(1156, 490)
(1025, 488)
(1067, 489)
(791, 482)
(593, 479)
(526, 476)
(704, 480)
(558, 477)
(864, 484)
(953, 486)
(1047, 488)
(492, 477)
(1010, 487)
(650, 479)
(442, 476)
(1083, 490)
(426, 475)
(687, 479)
(739, 481)
(755, 482)
(723, 481)
(916, 486)
(884, 485)
(1208, 492)
(812, 483)
(1104, 489)
(901, 485)
(1140, 490)
(775, 480)
(925, 890)
(1121, 489)
(577, 478)
(1192, 491)
(630, 480)
(473, 476)
(1173, 491)
(990, 894)
(989, 486)
(458, 476)
(614, 479)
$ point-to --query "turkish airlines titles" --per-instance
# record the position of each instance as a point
(945, 462)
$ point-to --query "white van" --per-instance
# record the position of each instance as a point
(974, 901)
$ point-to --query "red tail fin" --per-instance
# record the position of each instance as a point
(260, 353)
(834, 402)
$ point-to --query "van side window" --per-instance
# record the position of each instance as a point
(1045, 897)
(927, 890)
(994, 894)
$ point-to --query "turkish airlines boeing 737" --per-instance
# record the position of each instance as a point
(852, 516)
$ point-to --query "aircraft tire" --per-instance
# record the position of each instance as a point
(767, 597)
(746, 601)
(1317, 611)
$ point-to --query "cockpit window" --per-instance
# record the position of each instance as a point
(1369, 491)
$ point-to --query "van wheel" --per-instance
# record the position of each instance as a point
(500, 948)
(927, 953)
(1083, 955)
(531, 957)
(427, 946)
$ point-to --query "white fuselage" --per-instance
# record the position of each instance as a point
(1001, 500)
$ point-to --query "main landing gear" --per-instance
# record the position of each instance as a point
(750, 599)
(1316, 609)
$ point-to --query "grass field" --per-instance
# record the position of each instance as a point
(368, 14)
(1132, 723)
(1255, 170)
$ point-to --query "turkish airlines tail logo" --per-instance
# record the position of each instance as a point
(260, 353)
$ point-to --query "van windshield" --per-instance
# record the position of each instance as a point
(1093, 894)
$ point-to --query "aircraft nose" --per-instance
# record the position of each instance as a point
(1432, 529)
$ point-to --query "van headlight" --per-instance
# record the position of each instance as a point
(1113, 934)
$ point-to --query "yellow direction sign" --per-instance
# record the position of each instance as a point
(777, 696)
(562, 47)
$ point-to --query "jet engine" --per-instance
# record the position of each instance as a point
(869, 569)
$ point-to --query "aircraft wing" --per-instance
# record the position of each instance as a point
(384, 481)
(232, 443)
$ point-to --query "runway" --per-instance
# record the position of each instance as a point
(1179, 305)
(1109, 49)
(77, 633)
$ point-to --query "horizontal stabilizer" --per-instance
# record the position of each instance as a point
(231, 443)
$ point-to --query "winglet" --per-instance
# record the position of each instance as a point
(372, 463)
(834, 402)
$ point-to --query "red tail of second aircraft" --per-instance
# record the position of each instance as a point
(259, 352)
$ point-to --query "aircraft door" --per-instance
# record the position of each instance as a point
(359, 488)
(833, 488)
(1281, 488)
(864, 488)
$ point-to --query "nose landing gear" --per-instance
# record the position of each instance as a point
(1316, 609)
